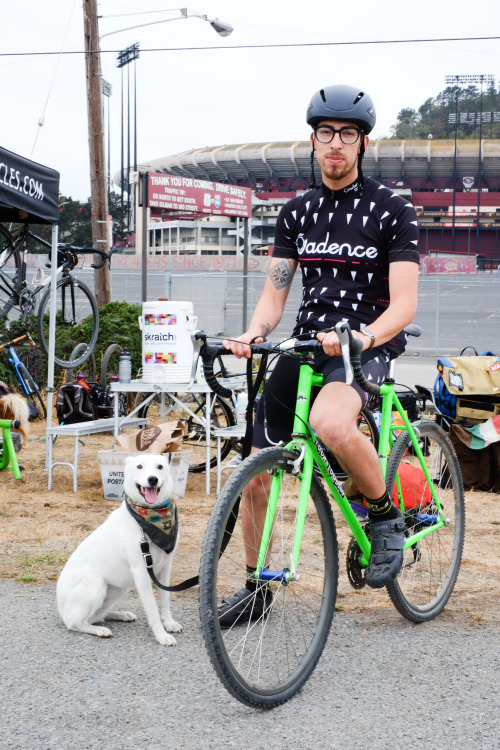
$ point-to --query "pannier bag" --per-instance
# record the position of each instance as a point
(411, 481)
(74, 403)
(478, 453)
(468, 388)
(414, 488)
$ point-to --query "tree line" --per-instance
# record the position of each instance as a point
(455, 107)
(75, 222)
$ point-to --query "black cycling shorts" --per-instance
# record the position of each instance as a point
(277, 404)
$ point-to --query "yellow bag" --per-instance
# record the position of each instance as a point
(475, 381)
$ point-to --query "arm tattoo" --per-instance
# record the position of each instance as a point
(280, 275)
(266, 330)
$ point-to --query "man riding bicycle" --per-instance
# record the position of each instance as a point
(356, 244)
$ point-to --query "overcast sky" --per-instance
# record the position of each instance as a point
(208, 97)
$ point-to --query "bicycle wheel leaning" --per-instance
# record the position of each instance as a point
(74, 304)
(264, 661)
(430, 567)
(33, 394)
(10, 271)
(193, 410)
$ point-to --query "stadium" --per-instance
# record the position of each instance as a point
(454, 186)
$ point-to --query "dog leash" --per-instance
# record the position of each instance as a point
(253, 389)
(148, 559)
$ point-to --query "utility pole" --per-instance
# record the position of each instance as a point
(98, 187)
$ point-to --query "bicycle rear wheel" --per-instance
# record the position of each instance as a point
(194, 408)
(75, 303)
(430, 567)
(264, 662)
(10, 271)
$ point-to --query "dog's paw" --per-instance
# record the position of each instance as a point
(101, 631)
(171, 626)
(122, 616)
(164, 639)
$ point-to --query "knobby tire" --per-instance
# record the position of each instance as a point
(430, 568)
(264, 662)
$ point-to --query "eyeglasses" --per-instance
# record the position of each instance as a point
(326, 134)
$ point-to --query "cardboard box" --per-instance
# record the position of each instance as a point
(112, 463)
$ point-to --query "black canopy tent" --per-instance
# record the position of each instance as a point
(29, 193)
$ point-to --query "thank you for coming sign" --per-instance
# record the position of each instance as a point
(191, 195)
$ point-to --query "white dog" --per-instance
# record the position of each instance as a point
(110, 561)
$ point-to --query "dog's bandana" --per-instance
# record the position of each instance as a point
(160, 524)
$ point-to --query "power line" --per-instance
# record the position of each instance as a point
(269, 46)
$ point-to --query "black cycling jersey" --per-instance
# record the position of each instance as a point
(344, 241)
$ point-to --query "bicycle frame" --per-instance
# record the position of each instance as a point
(20, 245)
(15, 362)
(311, 453)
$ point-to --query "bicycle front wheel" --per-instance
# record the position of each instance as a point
(264, 661)
(75, 303)
(10, 272)
(430, 567)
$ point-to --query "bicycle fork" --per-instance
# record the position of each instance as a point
(303, 469)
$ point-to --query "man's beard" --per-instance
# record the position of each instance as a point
(338, 172)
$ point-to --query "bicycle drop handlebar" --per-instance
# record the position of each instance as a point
(351, 351)
(105, 254)
(17, 340)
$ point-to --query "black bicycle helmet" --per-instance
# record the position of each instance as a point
(342, 103)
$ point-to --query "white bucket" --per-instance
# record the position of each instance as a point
(112, 472)
(167, 348)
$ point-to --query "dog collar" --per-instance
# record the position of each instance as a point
(160, 523)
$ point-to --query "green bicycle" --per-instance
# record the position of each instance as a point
(265, 660)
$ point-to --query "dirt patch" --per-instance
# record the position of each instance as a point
(39, 529)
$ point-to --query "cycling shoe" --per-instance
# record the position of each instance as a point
(387, 541)
(243, 606)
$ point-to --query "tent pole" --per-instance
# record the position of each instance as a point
(52, 335)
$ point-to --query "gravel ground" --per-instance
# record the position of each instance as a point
(431, 686)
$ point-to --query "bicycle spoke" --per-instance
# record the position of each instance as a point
(265, 656)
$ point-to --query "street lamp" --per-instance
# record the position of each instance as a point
(99, 200)
(223, 29)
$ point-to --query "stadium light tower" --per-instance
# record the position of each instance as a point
(457, 79)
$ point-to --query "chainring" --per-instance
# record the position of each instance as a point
(355, 572)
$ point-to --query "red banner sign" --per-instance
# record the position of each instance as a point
(191, 195)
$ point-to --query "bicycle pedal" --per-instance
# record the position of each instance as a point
(355, 572)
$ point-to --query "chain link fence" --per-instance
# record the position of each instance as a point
(453, 311)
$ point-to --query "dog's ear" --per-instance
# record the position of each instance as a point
(132, 461)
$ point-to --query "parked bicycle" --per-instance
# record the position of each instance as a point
(75, 301)
(26, 382)
(191, 408)
(100, 391)
(265, 660)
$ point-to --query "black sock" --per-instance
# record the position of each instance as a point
(382, 509)
(251, 583)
